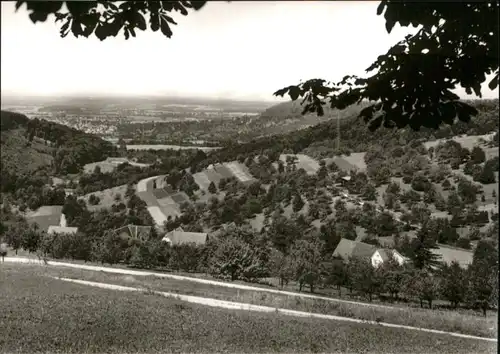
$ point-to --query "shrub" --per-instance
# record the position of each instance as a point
(477, 155)
(93, 199)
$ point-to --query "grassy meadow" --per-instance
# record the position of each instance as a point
(461, 321)
(44, 315)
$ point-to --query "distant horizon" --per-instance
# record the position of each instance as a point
(11, 95)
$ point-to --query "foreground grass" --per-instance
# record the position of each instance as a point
(466, 322)
(40, 314)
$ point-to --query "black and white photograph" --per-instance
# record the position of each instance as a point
(249, 177)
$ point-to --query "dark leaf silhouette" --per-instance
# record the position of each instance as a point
(85, 18)
(165, 28)
(493, 83)
(141, 22)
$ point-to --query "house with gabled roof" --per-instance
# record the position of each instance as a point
(179, 236)
(134, 231)
(347, 249)
(62, 228)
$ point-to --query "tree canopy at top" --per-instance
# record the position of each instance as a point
(456, 45)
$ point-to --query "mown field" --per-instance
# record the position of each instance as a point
(461, 321)
(106, 197)
(40, 314)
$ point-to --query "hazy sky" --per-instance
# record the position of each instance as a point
(242, 50)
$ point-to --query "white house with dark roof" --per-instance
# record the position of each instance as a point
(347, 249)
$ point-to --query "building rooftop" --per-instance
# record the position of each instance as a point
(347, 249)
(179, 236)
(62, 230)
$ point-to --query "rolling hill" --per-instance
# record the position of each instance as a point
(40, 144)
(16, 147)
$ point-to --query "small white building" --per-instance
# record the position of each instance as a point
(347, 249)
(62, 228)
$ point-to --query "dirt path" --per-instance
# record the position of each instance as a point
(142, 185)
(196, 280)
(256, 308)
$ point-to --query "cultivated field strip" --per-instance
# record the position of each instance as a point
(258, 308)
(157, 215)
(201, 179)
(238, 172)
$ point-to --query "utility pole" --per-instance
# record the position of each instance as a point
(221, 119)
(338, 130)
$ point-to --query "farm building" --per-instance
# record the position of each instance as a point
(347, 249)
(179, 236)
(110, 164)
(62, 228)
(134, 231)
(214, 173)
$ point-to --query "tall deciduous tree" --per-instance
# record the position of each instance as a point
(280, 266)
(423, 285)
(454, 283)
(483, 276)
(335, 273)
(306, 263)
(364, 277)
(235, 259)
